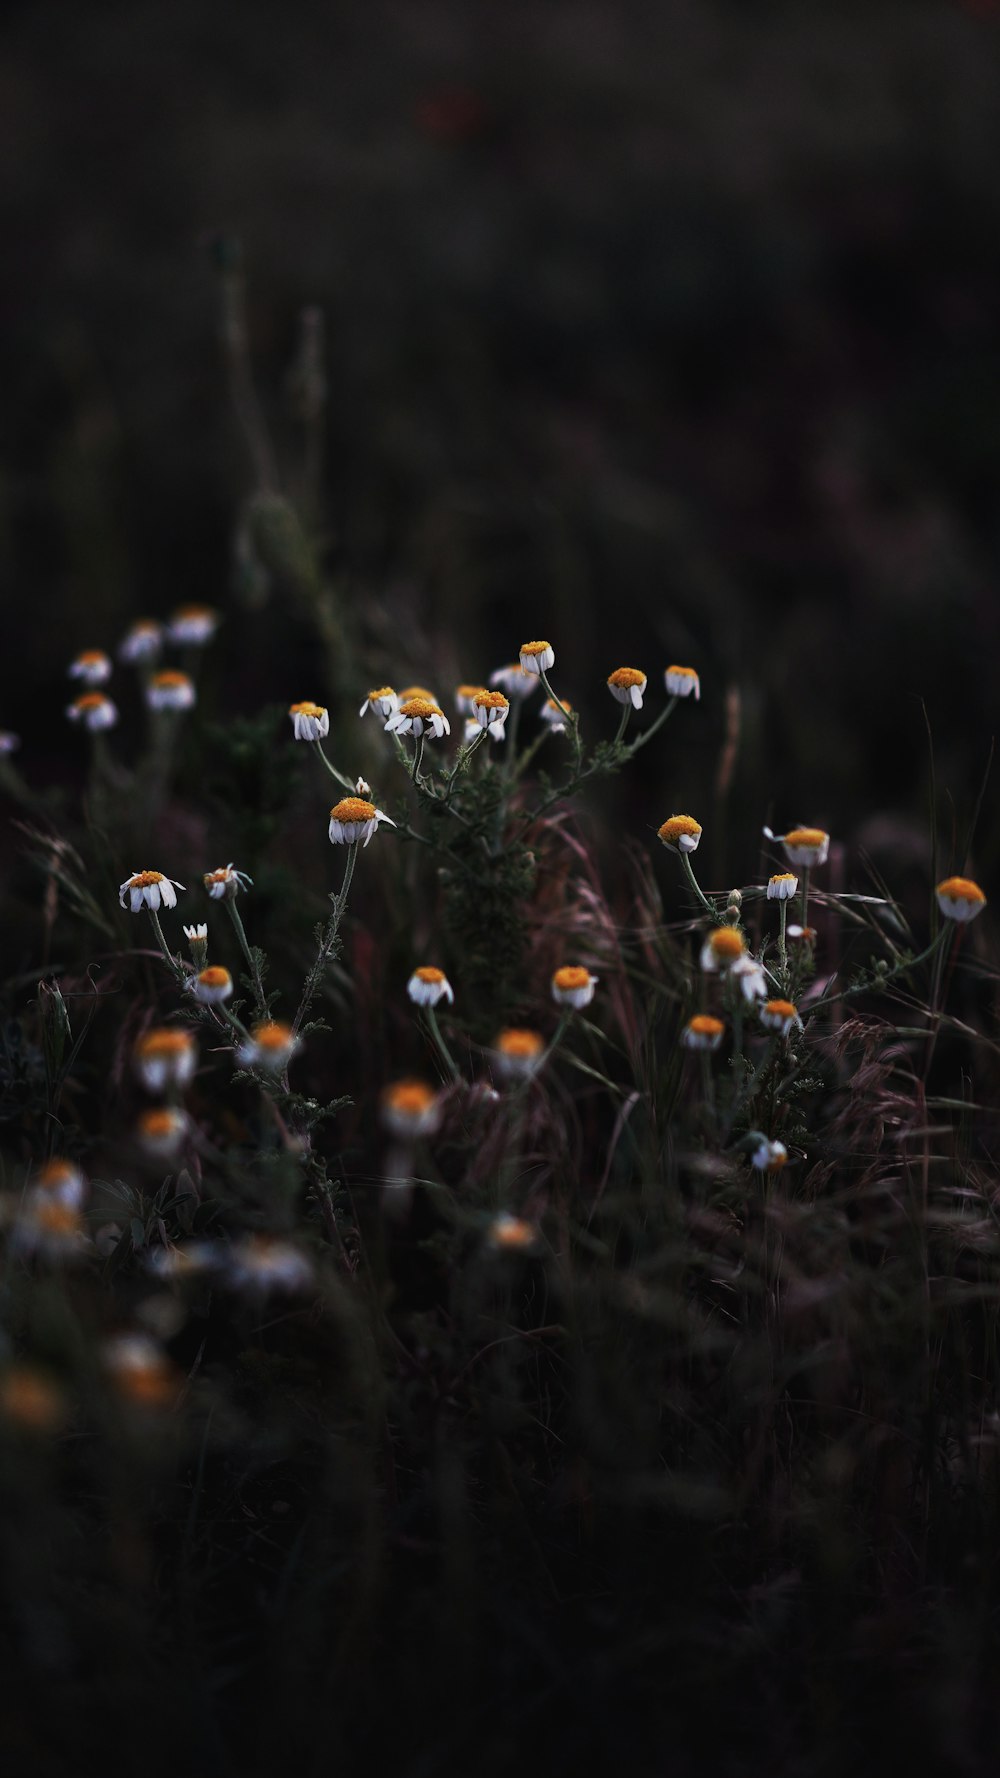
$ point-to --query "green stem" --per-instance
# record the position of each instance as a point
(258, 986)
(178, 969)
(571, 717)
(782, 947)
(623, 723)
(464, 756)
(647, 734)
(418, 754)
(530, 751)
(692, 879)
(442, 1048)
(339, 776)
(329, 939)
(510, 735)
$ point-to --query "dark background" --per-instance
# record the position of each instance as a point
(667, 331)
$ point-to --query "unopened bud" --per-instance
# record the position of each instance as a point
(735, 898)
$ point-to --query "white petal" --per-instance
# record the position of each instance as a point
(636, 696)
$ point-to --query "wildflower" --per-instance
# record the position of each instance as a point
(511, 1234)
(353, 819)
(416, 691)
(190, 1260)
(627, 684)
(555, 715)
(749, 977)
(470, 731)
(30, 1400)
(682, 832)
(804, 846)
(165, 1057)
(311, 722)
(9, 743)
(363, 788)
(780, 1015)
(702, 1032)
(225, 883)
(537, 657)
(682, 682)
(170, 690)
(48, 1228)
(161, 1131)
(418, 716)
(212, 985)
(94, 710)
(141, 643)
(383, 701)
(573, 986)
(272, 1045)
(722, 948)
(465, 698)
(193, 625)
(428, 985)
(516, 681)
(197, 937)
(151, 889)
(92, 666)
(768, 1156)
(140, 1371)
(959, 898)
(491, 712)
(518, 1053)
(805, 935)
(783, 886)
(261, 1263)
(59, 1182)
(410, 1108)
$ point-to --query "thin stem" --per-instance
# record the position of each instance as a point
(890, 975)
(510, 734)
(328, 941)
(345, 782)
(464, 756)
(623, 723)
(647, 734)
(442, 1048)
(418, 754)
(178, 969)
(782, 948)
(530, 751)
(258, 986)
(692, 879)
(567, 712)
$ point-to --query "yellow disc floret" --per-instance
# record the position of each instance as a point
(625, 677)
(426, 972)
(410, 1098)
(703, 1025)
(961, 889)
(572, 975)
(353, 808)
(726, 943)
(308, 709)
(165, 1042)
(273, 1035)
(519, 1042)
(781, 1009)
(677, 827)
(534, 647)
(805, 836)
(491, 700)
(214, 976)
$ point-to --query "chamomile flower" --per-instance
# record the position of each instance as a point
(160, 1132)
(271, 1047)
(410, 1108)
(354, 819)
(48, 1228)
(780, 1015)
(94, 710)
(682, 682)
(512, 1234)
(141, 1371)
(722, 948)
(419, 716)
(573, 986)
(170, 690)
(165, 1057)
(190, 1259)
(363, 788)
(515, 681)
(142, 642)
(92, 666)
(768, 1156)
(749, 977)
(537, 657)
(702, 1032)
(518, 1053)
(465, 698)
(311, 722)
(197, 937)
(470, 730)
(959, 898)
(801, 935)
(193, 625)
(225, 883)
(382, 700)
(62, 1183)
(804, 846)
(555, 715)
(783, 886)
(681, 832)
(427, 985)
(260, 1264)
(149, 889)
(491, 712)
(212, 986)
(627, 685)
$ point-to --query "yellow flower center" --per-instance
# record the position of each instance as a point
(468, 691)
(309, 709)
(512, 1231)
(215, 976)
(534, 647)
(678, 826)
(383, 691)
(353, 808)
(784, 876)
(703, 1025)
(562, 708)
(158, 1123)
(273, 1035)
(571, 976)
(170, 678)
(428, 973)
(411, 1097)
(516, 1041)
(726, 941)
(491, 700)
(782, 1009)
(685, 672)
(57, 1219)
(961, 889)
(166, 1042)
(143, 879)
(90, 657)
(423, 707)
(28, 1398)
(91, 700)
(626, 676)
(55, 1174)
(412, 691)
(805, 836)
(193, 611)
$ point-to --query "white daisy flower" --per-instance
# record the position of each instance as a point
(681, 832)
(52, 1230)
(428, 985)
(272, 1046)
(573, 986)
(419, 716)
(310, 722)
(703, 1032)
(722, 948)
(410, 1108)
(516, 681)
(382, 700)
(783, 886)
(959, 898)
(140, 1370)
(197, 937)
(537, 657)
(749, 977)
(768, 1156)
(142, 642)
(193, 625)
(804, 846)
(263, 1263)
(212, 986)
(160, 1132)
(354, 819)
(682, 682)
(518, 1053)
(62, 1183)
(165, 1057)
(491, 712)
(512, 1234)
(780, 1015)
(170, 690)
(225, 883)
(92, 666)
(149, 889)
(555, 714)
(627, 684)
(94, 710)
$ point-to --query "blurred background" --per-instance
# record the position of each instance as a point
(666, 331)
